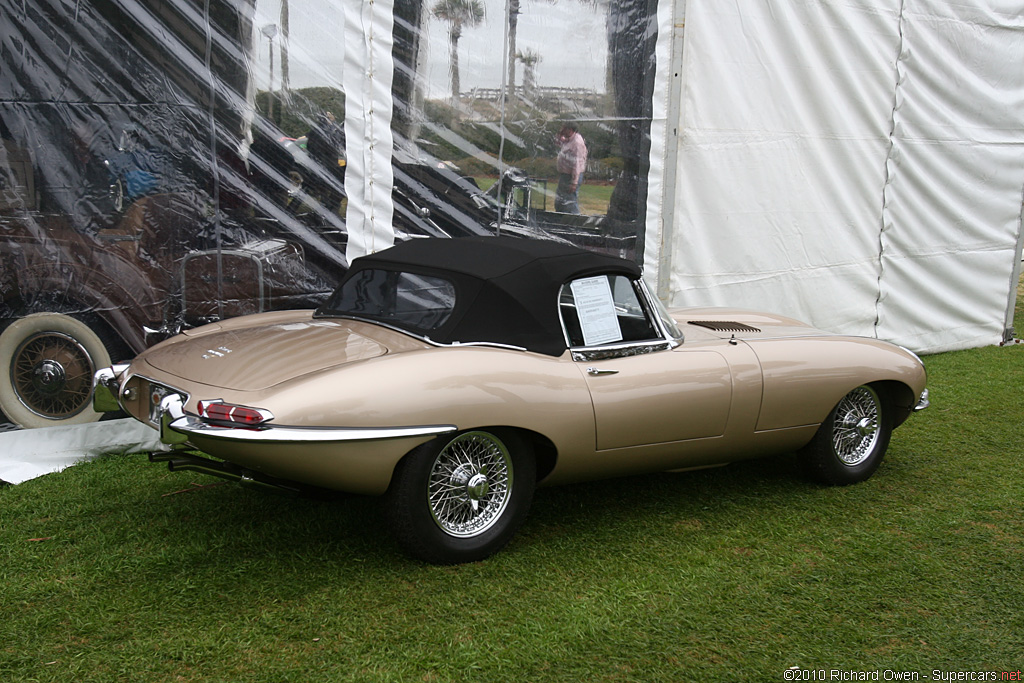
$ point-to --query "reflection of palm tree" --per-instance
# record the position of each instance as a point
(513, 30)
(285, 77)
(529, 58)
(457, 13)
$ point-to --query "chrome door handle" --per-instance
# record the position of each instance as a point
(596, 372)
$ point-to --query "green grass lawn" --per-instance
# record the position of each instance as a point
(594, 198)
(117, 570)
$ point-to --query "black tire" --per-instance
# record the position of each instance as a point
(851, 442)
(47, 362)
(461, 498)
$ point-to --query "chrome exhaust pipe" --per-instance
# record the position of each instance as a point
(208, 467)
(182, 462)
(186, 462)
(249, 481)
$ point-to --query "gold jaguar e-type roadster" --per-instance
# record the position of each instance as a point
(453, 376)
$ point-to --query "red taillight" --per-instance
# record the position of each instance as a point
(219, 411)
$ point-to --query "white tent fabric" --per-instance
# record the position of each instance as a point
(857, 165)
(661, 176)
(368, 75)
(956, 172)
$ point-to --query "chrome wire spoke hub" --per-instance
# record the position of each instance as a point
(855, 431)
(470, 484)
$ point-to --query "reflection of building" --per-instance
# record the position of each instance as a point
(543, 93)
(554, 101)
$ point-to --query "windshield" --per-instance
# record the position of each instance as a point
(604, 309)
(406, 300)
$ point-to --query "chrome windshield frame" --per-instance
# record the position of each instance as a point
(665, 342)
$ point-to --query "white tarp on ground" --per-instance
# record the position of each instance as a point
(29, 453)
(856, 164)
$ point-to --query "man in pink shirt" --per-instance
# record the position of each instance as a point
(572, 160)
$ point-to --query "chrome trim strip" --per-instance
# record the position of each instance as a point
(370, 321)
(493, 345)
(190, 425)
(586, 353)
(653, 311)
(916, 357)
(420, 337)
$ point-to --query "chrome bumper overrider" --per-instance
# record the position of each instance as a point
(187, 425)
(106, 385)
(923, 402)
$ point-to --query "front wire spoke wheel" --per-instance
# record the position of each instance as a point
(49, 360)
(856, 425)
(851, 442)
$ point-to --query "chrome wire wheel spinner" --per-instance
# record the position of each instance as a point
(470, 484)
(856, 428)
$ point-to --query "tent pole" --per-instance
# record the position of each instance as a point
(1009, 334)
(673, 124)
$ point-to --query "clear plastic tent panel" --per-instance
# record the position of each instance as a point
(534, 115)
(168, 163)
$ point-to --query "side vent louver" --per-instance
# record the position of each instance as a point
(724, 326)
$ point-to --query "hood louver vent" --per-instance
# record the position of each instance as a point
(724, 326)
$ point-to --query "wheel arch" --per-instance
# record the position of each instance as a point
(544, 451)
(900, 396)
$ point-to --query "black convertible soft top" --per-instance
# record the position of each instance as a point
(506, 289)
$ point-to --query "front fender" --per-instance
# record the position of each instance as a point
(804, 378)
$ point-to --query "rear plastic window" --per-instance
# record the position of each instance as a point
(420, 302)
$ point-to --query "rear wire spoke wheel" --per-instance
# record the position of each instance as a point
(850, 444)
(460, 499)
(470, 484)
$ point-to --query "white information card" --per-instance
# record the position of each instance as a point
(596, 309)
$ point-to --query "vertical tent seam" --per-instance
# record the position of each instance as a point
(889, 166)
(214, 166)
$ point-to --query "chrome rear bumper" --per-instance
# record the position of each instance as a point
(176, 427)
